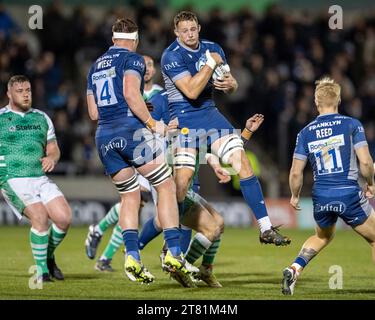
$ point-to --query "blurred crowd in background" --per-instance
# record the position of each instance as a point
(275, 56)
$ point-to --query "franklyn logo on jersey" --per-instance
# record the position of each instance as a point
(118, 143)
(325, 124)
(334, 206)
(19, 127)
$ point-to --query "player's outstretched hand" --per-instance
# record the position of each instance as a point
(222, 174)
(370, 191)
(253, 123)
(48, 164)
(225, 84)
(294, 201)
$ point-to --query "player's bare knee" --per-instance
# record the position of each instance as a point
(167, 184)
(218, 231)
(246, 170)
(62, 225)
(39, 222)
(325, 237)
(65, 221)
(211, 231)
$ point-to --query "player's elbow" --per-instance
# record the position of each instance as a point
(93, 116)
(367, 162)
(295, 175)
(191, 95)
(190, 92)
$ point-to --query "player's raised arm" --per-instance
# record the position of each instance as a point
(186, 29)
(252, 125)
(192, 86)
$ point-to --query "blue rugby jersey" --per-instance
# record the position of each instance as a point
(329, 143)
(178, 61)
(105, 82)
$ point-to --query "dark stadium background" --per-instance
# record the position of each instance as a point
(276, 50)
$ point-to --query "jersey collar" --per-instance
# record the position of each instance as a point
(187, 48)
(22, 114)
(328, 114)
(117, 48)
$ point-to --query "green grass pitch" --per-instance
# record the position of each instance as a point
(247, 270)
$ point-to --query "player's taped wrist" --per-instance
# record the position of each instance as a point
(150, 123)
(210, 61)
(246, 134)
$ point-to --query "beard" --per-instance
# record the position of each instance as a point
(23, 105)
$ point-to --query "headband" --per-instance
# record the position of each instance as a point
(126, 36)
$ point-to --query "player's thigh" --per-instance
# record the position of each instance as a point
(20, 193)
(58, 208)
(219, 220)
(367, 229)
(59, 212)
(123, 174)
(199, 219)
(38, 216)
(197, 198)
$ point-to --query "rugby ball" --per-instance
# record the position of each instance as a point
(220, 71)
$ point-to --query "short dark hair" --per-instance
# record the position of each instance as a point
(124, 25)
(19, 78)
(184, 16)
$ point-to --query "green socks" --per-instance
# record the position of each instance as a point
(113, 244)
(209, 255)
(39, 245)
(56, 235)
(110, 218)
(197, 248)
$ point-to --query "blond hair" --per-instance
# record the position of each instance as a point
(184, 16)
(327, 92)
